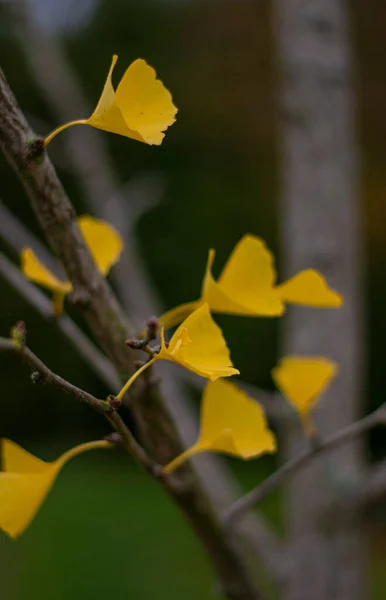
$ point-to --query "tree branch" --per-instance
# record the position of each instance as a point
(107, 322)
(373, 490)
(101, 366)
(346, 434)
(50, 378)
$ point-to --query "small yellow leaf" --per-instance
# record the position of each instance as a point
(141, 108)
(302, 380)
(309, 288)
(103, 241)
(199, 346)
(25, 482)
(231, 422)
(38, 273)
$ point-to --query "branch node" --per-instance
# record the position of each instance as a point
(35, 150)
(114, 402)
(19, 335)
(80, 298)
(115, 438)
(36, 377)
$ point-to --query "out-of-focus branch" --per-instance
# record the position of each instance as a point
(101, 366)
(107, 322)
(17, 237)
(46, 376)
(343, 436)
(374, 489)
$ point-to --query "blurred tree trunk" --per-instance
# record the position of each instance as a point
(320, 228)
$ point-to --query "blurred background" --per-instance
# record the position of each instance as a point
(106, 529)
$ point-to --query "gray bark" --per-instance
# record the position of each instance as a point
(320, 228)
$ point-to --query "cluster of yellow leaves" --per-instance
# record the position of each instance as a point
(104, 243)
(231, 422)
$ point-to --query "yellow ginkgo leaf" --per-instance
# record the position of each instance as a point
(141, 108)
(247, 286)
(302, 380)
(38, 273)
(103, 241)
(197, 345)
(309, 288)
(25, 482)
(232, 423)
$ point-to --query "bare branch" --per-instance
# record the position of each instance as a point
(101, 366)
(346, 434)
(50, 378)
(373, 490)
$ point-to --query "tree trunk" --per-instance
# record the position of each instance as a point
(320, 228)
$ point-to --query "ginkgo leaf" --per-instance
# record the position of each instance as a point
(141, 108)
(309, 288)
(35, 271)
(197, 345)
(247, 286)
(302, 379)
(232, 423)
(103, 241)
(25, 482)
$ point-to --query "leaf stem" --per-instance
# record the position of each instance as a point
(179, 460)
(134, 377)
(54, 133)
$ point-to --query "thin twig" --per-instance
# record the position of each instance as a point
(6, 344)
(101, 366)
(374, 490)
(50, 378)
(350, 432)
